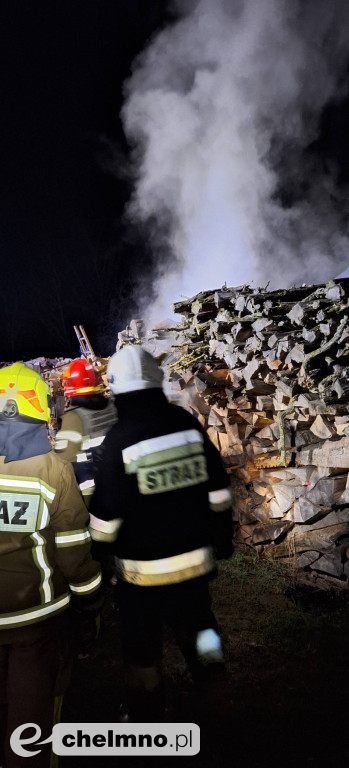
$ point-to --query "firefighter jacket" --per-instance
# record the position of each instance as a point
(161, 493)
(44, 542)
(79, 439)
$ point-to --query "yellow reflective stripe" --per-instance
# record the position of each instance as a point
(87, 488)
(102, 536)
(87, 492)
(87, 484)
(86, 586)
(156, 444)
(220, 500)
(109, 526)
(39, 555)
(45, 517)
(69, 434)
(28, 485)
(167, 564)
(92, 442)
(104, 530)
(67, 538)
(158, 579)
(30, 616)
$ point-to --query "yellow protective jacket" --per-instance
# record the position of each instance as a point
(44, 541)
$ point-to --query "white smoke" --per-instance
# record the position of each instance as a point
(219, 107)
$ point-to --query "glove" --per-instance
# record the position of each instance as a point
(103, 552)
(87, 624)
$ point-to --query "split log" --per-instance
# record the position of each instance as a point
(328, 454)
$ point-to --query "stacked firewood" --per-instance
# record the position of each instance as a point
(266, 372)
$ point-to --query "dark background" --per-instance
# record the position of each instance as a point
(67, 254)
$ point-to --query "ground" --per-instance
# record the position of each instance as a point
(286, 646)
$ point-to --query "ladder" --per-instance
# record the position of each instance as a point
(85, 344)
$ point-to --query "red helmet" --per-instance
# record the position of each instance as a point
(80, 378)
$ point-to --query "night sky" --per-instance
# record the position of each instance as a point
(67, 255)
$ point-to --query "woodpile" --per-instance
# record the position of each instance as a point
(266, 373)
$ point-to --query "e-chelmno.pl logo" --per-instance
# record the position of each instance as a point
(110, 739)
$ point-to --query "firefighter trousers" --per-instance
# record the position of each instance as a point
(35, 665)
(186, 608)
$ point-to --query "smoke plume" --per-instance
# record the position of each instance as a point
(220, 111)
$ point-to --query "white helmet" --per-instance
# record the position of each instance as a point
(132, 368)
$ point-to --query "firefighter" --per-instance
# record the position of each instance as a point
(85, 423)
(45, 562)
(162, 501)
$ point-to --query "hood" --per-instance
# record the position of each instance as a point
(20, 440)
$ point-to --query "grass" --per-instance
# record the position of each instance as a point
(286, 650)
(266, 574)
(259, 603)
